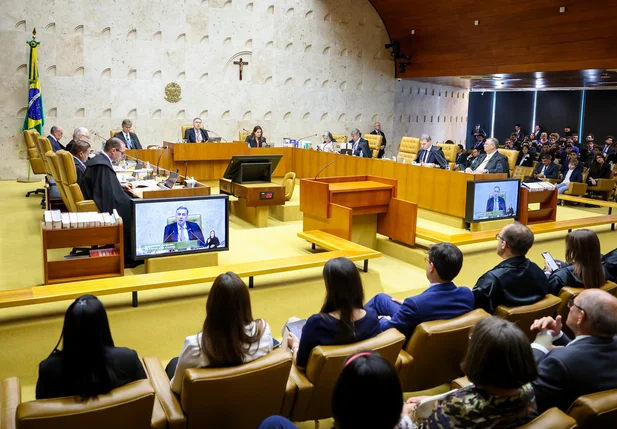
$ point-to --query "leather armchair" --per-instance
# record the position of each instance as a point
(435, 351)
(340, 138)
(53, 166)
(597, 410)
(568, 292)
(235, 397)
(36, 163)
(524, 315)
(603, 187)
(316, 385)
(114, 132)
(449, 151)
(68, 180)
(512, 156)
(131, 406)
(552, 418)
(289, 182)
(183, 130)
(522, 173)
(242, 134)
(374, 143)
(578, 189)
(409, 148)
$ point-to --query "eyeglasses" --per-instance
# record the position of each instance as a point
(571, 303)
(499, 237)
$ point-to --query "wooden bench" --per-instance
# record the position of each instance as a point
(584, 200)
(540, 228)
(337, 247)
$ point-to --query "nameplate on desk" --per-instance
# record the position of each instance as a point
(266, 195)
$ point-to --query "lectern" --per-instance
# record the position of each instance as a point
(330, 203)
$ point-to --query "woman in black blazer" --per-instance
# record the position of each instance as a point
(89, 364)
(525, 159)
(600, 169)
(212, 241)
(256, 139)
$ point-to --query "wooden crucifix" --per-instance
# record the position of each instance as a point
(241, 64)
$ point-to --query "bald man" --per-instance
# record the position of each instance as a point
(587, 363)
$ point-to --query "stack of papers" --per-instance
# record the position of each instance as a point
(54, 219)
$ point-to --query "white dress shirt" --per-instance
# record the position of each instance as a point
(127, 137)
(486, 160)
(198, 137)
(567, 178)
(192, 357)
(183, 233)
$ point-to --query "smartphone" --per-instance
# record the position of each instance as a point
(275, 343)
(550, 261)
(296, 327)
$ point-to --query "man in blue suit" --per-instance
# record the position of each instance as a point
(584, 365)
(496, 202)
(442, 300)
(196, 134)
(360, 146)
(182, 230)
(430, 155)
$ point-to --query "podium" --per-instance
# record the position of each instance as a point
(330, 204)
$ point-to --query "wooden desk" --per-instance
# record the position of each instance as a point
(252, 205)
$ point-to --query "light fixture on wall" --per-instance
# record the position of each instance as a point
(396, 51)
(402, 66)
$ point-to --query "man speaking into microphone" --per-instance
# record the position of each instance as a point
(182, 230)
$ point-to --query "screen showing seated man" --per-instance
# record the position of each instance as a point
(495, 199)
(176, 225)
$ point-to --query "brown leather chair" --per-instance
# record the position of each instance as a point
(315, 386)
(289, 182)
(435, 351)
(568, 292)
(68, 179)
(524, 315)
(597, 410)
(374, 143)
(131, 406)
(236, 397)
(36, 163)
(552, 418)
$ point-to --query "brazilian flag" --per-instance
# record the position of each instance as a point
(35, 116)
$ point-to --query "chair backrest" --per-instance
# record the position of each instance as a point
(36, 162)
(53, 165)
(522, 173)
(237, 397)
(114, 132)
(512, 156)
(242, 135)
(449, 151)
(568, 292)
(374, 143)
(190, 218)
(340, 138)
(289, 182)
(552, 418)
(129, 406)
(523, 316)
(326, 363)
(43, 146)
(596, 410)
(410, 146)
(438, 348)
(184, 128)
(65, 166)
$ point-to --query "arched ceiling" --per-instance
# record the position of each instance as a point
(511, 36)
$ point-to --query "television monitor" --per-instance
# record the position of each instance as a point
(179, 226)
(235, 171)
(491, 200)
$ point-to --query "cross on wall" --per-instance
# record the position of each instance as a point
(241, 64)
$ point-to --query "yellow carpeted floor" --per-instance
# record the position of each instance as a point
(165, 317)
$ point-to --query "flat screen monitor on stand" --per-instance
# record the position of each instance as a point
(251, 168)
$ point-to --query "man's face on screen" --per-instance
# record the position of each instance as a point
(181, 216)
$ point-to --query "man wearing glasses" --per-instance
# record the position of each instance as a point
(100, 184)
(515, 280)
(587, 363)
(80, 134)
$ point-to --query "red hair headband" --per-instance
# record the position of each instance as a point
(357, 355)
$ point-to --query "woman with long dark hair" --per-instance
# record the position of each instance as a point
(212, 241)
(342, 318)
(583, 267)
(229, 336)
(600, 169)
(256, 139)
(88, 364)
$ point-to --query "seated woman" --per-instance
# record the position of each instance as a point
(573, 174)
(328, 143)
(501, 366)
(543, 139)
(212, 241)
(600, 169)
(342, 319)
(583, 268)
(256, 139)
(89, 364)
(524, 157)
(367, 394)
(229, 337)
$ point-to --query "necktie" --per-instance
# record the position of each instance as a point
(496, 204)
(426, 156)
(181, 234)
(198, 134)
(127, 137)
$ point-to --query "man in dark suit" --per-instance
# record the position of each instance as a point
(472, 160)
(377, 131)
(586, 364)
(479, 144)
(461, 157)
(360, 146)
(520, 133)
(478, 131)
(608, 148)
(430, 155)
(80, 152)
(55, 134)
(196, 134)
(537, 131)
(546, 168)
(442, 300)
(515, 281)
(80, 134)
(130, 139)
(183, 230)
(496, 202)
(491, 161)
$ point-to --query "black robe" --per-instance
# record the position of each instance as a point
(100, 184)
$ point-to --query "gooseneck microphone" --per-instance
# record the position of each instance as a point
(312, 135)
(217, 134)
(329, 164)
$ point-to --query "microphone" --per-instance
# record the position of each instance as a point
(186, 171)
(217, 134)
(312, 135)
(159, 161)
(328, 165)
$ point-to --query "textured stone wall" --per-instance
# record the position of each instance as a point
(314, 65)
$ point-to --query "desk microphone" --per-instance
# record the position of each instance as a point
(329, 164)
(102, 138)
(159, 160)
(217, 134)
(312, 135)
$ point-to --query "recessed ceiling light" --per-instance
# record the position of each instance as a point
(476, 22)
(562, 9)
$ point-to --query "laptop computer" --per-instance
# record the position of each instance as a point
(170, 182)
